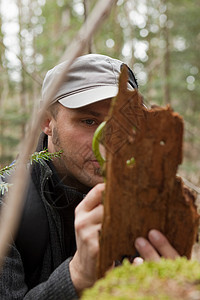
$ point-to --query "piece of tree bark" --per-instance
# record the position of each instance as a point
(143, 151)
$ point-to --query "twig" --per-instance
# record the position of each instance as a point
(38, 157)
(191, 185)
(11, 212)
(35, 157)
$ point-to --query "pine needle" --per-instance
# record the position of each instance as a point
(4, 186)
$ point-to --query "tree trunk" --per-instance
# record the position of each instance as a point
(167, 98)
(86, 12)
(22, 85)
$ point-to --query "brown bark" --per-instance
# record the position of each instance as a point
(146, 194)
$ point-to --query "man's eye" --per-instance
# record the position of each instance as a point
(89, 122)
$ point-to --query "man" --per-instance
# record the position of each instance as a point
(46, 261)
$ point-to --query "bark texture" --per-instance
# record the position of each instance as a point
(146, 193)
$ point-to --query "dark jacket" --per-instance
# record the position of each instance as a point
(37, 266)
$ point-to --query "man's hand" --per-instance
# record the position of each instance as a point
(156, 246)
(88, 221)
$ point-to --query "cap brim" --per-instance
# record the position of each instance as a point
(89, 96)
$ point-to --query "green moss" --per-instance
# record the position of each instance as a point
(167, 279)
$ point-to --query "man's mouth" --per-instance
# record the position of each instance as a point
(95, 163)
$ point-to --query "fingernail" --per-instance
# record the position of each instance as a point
(155, 234)
(140, 242)
(138, 261)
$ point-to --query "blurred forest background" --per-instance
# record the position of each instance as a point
(158, 39)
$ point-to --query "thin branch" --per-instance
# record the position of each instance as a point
(6, 170)
(191, 185)
(11, 212)
(37, 157)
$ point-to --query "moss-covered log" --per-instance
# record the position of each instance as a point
(164, 280)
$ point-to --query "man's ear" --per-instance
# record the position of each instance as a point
(46, 125)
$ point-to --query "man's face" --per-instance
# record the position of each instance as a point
(72, 131)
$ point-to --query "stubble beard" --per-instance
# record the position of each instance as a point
(67, 164)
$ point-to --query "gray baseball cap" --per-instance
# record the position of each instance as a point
(91, 78)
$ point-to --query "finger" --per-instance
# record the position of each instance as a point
(93, 198)
(88, 242)
(85, 221)
(146, 250)
(160, 242)
(91, 236)
(95, 216)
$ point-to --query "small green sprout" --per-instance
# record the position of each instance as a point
(96, 141)
(130, 162)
